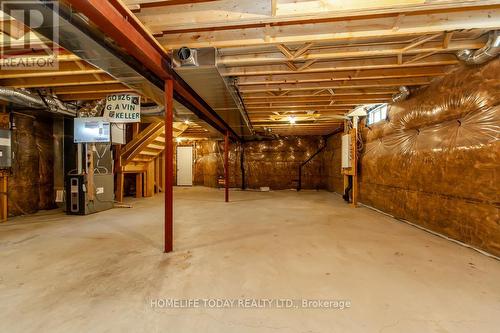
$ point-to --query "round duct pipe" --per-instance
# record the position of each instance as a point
(36, 101)
(484, 54)
(403, 94)
(187, 56)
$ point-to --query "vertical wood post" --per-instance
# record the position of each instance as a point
(169, 166)
(119, 173)
(4, 214)
(138, 185)
(226, 165)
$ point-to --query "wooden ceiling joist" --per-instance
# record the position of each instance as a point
(340, 65)
(313, 59)
(350, 52)
(343, 85)
(64, 81)
(341, 76)
(317, 30)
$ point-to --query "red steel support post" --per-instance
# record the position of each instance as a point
(169, 166)
(226, 165)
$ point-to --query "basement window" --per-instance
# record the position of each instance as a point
(376, 113)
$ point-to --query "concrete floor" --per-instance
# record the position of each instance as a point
(101, 273)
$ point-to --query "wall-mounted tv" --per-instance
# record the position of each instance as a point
(90, 130)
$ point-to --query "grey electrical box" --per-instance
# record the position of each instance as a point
(5, 149)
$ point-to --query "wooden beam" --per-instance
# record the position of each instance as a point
(249, 100)
(348, 52)
(321, 92)
(274, 7)
(342, 76)
(335, 29)
(447, 39)
(286, 52)
(305, 65)
(300, 51)
(339, 65)
(291, 65)
(137, 5)
(92, 88)
(233, 14)
(56, 81)
(27, 74)
(421, 41)
(421, 56)
(336, 85)
(89, 96)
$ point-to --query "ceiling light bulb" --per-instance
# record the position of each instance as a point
(186, 122)
(292, 120)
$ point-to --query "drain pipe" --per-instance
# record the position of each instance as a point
(484, 54)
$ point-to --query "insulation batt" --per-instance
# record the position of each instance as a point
(435, 162)
(273, 163)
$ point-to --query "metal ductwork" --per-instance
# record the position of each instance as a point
(36, 101)
(488, 52)
(187, 56)
(218, 91)
(403, 94)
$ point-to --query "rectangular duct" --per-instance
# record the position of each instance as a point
(218, 92)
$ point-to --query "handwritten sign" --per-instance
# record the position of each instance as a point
(123, 108)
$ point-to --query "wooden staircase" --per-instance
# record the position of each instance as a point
(144, 157)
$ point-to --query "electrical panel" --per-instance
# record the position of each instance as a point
(347, 152)
(5, 149)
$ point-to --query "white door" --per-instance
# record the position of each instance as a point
(185, 166)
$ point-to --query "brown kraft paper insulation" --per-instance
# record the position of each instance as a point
(45, 146)
(30, 185)
(24, 182)
(435, 162)
(272, 163)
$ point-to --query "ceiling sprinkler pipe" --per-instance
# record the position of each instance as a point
(403, 94)
(484, 54)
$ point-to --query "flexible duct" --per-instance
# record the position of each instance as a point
(488, 52)
(153, 110)
(92, 109)
(403, 94)
(29, 99)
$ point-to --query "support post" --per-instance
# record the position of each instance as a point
(226, 165)
(119, 173)
(139, 185)
(4, 214)
(169, 166)
(242, 166)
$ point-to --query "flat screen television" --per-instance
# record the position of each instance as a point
(91, 130)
